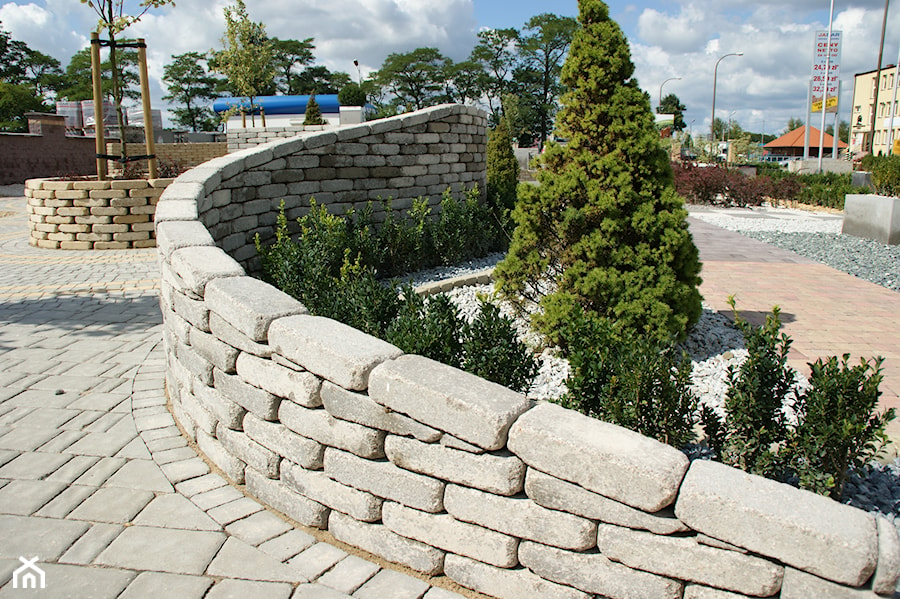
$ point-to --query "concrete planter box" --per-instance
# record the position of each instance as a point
(872, 217)
(93, 215)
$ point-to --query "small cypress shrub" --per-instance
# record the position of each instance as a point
(502, 169)
(605, 232)
(313, 114)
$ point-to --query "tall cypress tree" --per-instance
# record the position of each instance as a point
(313, 115)
(604, 232)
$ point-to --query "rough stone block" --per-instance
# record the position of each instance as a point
(440, 396)
(520, 517)
(318, 424)
(262, 403)
(292, 504)
(221, 355)
(796, 527)
(802, 585)
(226, 411)
(233, 337)
(202, 418)
(174, 235)
(197, 266)
(250, 305)
(445, 532)
(595, 573)
(377, 539)
(216, 452)
(330, 349)
(500, 473)
(299, 387)
(872, 217)
(248, 451)
(316, 485)
(686, 559)
(196, 364)
(361, 409)
(176, 210)
(888, 570)
(507, 584)
(697, 591)
(193, 311)
(284, 442)
(601, 457)
(557, 494)
(385, 480)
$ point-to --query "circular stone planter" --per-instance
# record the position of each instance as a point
(92, 215)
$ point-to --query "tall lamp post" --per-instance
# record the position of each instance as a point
(712, 125)
(658, 108)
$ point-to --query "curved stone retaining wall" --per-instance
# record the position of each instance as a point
(441, 471)
(92, 215)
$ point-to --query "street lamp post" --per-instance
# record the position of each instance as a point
(712, 125)
(658, 108)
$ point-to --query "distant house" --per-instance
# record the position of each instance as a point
(790, 145)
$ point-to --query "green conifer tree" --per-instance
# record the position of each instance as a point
(502, 168)
(604, 231)
(313, 113)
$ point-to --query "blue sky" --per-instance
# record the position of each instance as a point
(668, 38)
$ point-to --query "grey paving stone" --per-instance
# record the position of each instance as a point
(237, 559)
(166, 443)
(46, 418)
(234, 510)
(102, 444)
(24, 497)
(175, 511)
(349, 574)
(85, 418)
(317, 591)
(69, 582)
(159, 584)
(7, 455)
(140, 474)
(319, 558)
(97, 474)
(26, 439)
(247, 589)
(135, 450)
(91, 543)
(47, 538)
(258, 528)
(216, 497)
(62, 441)
(390, 583)
(158, 549)
(200, 484)
(33, 465)
(65, 502)
(184, 470)
(288, 545)
(112, 504)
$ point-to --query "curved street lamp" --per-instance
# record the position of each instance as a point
(712, 125)
(660, 89)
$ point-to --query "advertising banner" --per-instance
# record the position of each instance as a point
(826, 84)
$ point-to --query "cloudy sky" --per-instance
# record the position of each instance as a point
(669, 38)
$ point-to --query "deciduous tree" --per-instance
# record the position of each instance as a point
(415, 79)
(190, 85)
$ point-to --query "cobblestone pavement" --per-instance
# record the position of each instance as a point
(97, 482)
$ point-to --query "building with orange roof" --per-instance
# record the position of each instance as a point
(790, 145)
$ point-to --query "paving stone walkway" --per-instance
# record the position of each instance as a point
(96, 480)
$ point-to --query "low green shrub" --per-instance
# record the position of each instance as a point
(754, 400)
(332, 265)
(838, 428)
(491, 350)
(834, 428)
(886, 175)
(630, 380)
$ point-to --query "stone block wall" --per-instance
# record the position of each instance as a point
(185, 155)
(92, 215)
(250, 137)
(444, 472)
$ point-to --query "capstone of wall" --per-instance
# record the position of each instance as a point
(250, 137)
(441, 471)
(92, 215)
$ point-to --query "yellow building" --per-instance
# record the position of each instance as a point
(864, 110)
